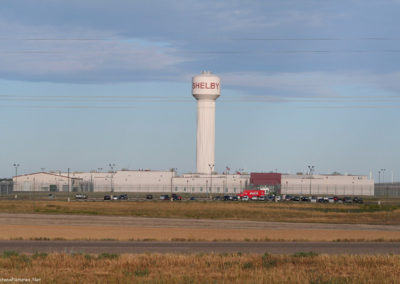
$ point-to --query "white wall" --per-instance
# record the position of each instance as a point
(164, 181)
(42, 182)
(327, 185)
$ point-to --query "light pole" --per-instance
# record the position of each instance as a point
(211, 172)
(383, 182)
(379, 173)
(99, 169)
(311, 170)
(173, 170)
(112, 175)
(16, 174)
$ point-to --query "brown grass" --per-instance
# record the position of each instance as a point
(202, 268)
(121, 233)
(283, 212)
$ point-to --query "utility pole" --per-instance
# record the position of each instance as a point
(311, 170)
(172, 178)
(211, 172)
(383, 175)
(16, 174)
(111, 165)
(68, 185)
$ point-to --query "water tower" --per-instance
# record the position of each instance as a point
(206, 89)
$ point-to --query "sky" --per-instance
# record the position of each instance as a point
(87, 83)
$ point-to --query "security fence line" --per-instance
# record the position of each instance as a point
(387, 189)
(382, 190)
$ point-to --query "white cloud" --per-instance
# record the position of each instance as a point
(34, 52)
(311, 84)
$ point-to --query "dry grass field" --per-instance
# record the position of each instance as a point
(304, 267)
(261, 211)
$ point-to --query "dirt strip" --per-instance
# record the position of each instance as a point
(90, 220)
(81, 227)
(27, 232)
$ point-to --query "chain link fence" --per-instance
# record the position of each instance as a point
(387, 189)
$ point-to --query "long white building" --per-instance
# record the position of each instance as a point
(132, 181)
(170, 182)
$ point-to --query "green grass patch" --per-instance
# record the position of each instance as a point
(9, 253)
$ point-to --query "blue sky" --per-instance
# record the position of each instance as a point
(88, 83)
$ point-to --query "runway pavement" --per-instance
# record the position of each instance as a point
(201, 247)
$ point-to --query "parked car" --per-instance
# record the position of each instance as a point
(277, 198)
(288, 197)
(254, 198)
(81, 196)
(347, 200)
(305, 199)
(270, 198)
(234, 198)
(295, 198)
(245, 198)
(217, 197)
(262, 198)
(313, 199)
(115, 197)
(192, 198)
(123, 197)
(164, 197)
(358, 200)
(176, 197)
(331, 200)
(149, 196)
(227, 197)
(107, 197)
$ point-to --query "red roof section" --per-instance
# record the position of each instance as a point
(265, 178)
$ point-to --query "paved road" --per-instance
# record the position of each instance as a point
(86, 220)
(198, 247)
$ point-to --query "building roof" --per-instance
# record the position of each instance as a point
(31, 174)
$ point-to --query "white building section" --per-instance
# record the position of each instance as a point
(47, 182)
(327, 185)
(206, 89)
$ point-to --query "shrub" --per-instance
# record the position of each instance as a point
(106, 255)
(142, 272)
(248, 265)
(268, 261)
(11, 253)
(305, 254)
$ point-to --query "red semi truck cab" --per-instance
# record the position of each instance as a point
(251, 193)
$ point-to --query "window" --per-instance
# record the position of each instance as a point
(218, 189)
(226, 189)
(201, 189)
(184, 189)
(234, 189)
(176, 188)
